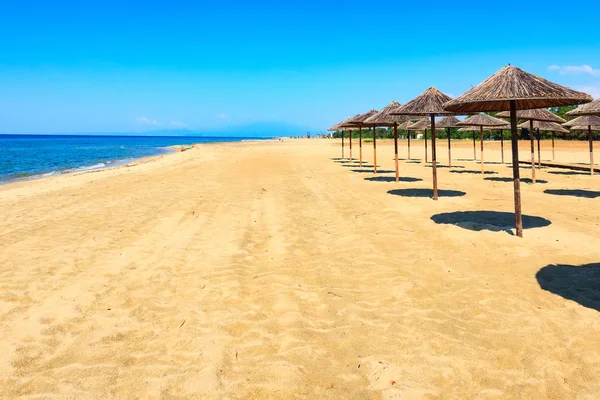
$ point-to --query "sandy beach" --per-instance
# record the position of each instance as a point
(276, 270)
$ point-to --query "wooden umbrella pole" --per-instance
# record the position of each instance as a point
(374, 150)
(532, 151)
(515, 162)
(426, 157)
(396, 150)
(360, 145)
(350, 139)
(342, 145)
(552, 146)
(502, 145)
(449, 150)
(474, 148)
(408, 134)
(481, 140)
(433, 163)
(591, 140)
(539, 149)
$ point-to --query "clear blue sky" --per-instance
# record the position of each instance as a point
(115, 67)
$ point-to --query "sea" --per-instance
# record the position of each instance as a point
(34, 156)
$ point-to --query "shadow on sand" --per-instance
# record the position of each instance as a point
(425, 193)
(568, 173)
(392, 179)
(444, 166)
(472, 171)
(589, 194)
(495, 221)
(370, 171)
(504, 179)
(414, 162)
(579, 283)
(354, 165)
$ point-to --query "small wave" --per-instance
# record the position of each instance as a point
(86, 168)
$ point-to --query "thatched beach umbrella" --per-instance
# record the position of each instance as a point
(589, 121)
(447, 123)
(358, 122)
(481, 120)
(385, 118)
(422, 125)
(592, 108)
(429, 103)
(404, 126)
(545, 126)
(538, 114)
(501, 129)
(514, 89)
(339, 127)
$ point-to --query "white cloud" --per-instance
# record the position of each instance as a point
(147, 121)
(178, 124)
(575, 69)
(221, 116)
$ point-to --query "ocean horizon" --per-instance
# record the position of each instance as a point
(30, 156)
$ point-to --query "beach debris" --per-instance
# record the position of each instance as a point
(334, 294)
(182, 323)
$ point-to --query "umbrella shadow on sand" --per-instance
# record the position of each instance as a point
(505, 179)
(425, 193)
(445, 166)
(471, 171)
(392, 179)
(495, 221)
(357, 165)
(590, 194)
(579, 283)
(568, 173)
(370, 171)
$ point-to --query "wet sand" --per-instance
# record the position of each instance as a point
(276, 270)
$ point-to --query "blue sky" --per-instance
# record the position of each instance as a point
(74, 67)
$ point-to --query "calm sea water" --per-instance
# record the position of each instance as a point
(30, 156)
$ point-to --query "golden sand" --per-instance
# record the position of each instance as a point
(272, 270)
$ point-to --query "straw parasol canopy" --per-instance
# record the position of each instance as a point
(339, 126)
(429, 103)
(385, 116)
(482, 120)
(448, 122)
(589, 121)
(512, 84)
(358, 122)
(513, 89)
(586, 120)
(404, 126)
(592, 108)
(359, 119)
(422, 124)
(536, 114)
(544, 126)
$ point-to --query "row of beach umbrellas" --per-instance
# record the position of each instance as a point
(514, 93)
